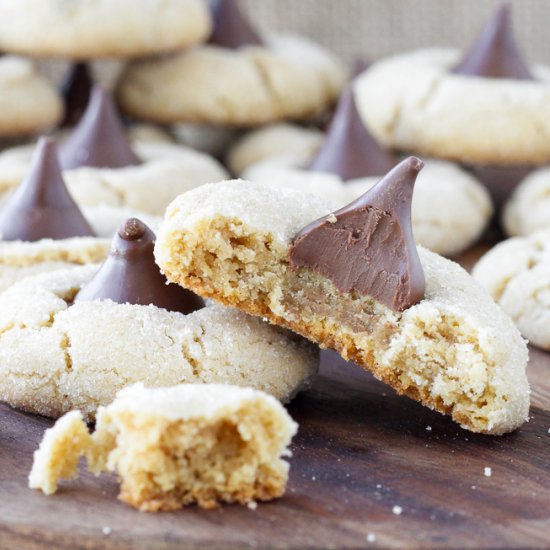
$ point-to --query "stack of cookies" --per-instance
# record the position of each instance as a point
(142, 288)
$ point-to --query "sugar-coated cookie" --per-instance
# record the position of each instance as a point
(413, 102)
(28, 102)
(239, 79)
(80, 29)
(528, 208)
(516, 273)
(454, 350)
(55, 356)
(282, 141)
(175, 446)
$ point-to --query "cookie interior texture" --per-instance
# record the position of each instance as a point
(455, 351)
(175, 446)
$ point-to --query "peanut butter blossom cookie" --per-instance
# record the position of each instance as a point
(80, 29)
(170, 447)
(516, 273)
(450, 208)
(100, 166)
(240, 78)
(354, 281)
(72, 338)
(28, 103)
(489, 109)
(41, 227)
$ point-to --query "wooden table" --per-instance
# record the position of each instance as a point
(369, 469)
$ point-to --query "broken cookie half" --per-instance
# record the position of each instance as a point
(176, 446)
(354, 281)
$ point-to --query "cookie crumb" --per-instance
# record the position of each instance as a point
(428, 428)
(252, 505)
(487, 471)
(106, 531)
(371, 537)
(397, 510)
(331, 218)
(474, 487)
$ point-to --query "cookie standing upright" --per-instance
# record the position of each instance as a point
(86, 30)
(240, 78)
(450, 208)
(450, 347)
(488, 110)
(102, 167)
(174, 446)
(71, 339)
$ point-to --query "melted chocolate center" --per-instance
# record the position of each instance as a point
(231, 28)
(495, 53)
(349, 151)
(129, 275)
(368, 247)
(99, 139)
(41, 207)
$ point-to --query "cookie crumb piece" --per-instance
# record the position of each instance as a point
(397, 510)
(371, 537)
(252, 505)
(428, 428)
(59, 452)
(487, 471)
(203, 443)
(106, 531)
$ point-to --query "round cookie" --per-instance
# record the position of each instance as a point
(28, 102)
(528, 208)
(412, 101)
(516, 273)
(239, 79)
(85, 30)
(145, 176)
(291, 143)
(55, 356)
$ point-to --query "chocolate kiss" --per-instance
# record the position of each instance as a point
(99, 138)
(495, 53)
(231, 27)
(349, 150)
(76, 90)
(129, 275)
(368, 247)
(41, 207)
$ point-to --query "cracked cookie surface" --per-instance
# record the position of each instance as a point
(289, 78)
(412, 102)
(55, 356)
(516, 273)
(455, 351)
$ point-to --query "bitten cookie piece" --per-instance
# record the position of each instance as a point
(516, 273)
(454, 350)
(86, 30)
(174, 446)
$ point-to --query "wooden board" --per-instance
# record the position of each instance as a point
(360, 452)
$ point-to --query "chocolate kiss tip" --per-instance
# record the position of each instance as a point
(495, 53)
(231, 28)
(76, 89)
(99, 139)
(132, 229)
(349, 151)
(130, 275)
(41, 207)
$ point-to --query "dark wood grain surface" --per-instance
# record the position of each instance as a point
(361, 451)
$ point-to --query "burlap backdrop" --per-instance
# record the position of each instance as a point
(376, 28)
